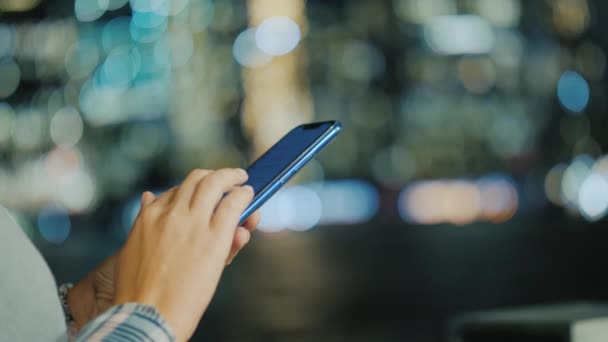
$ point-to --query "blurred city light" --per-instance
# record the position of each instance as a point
(296, 208)
(7, 116)
(570, 17)
(18, 5)
(573, 178)
(54, 224)
(347, 201)
(593, 197)
(115, 96)
(361, 61)
(303, 207)
(421, 11)
(66, 127)
(573, 91)
(553, 184)
(459, 35)
(11, 76)
(246, 51)
(277, 36)
(90, 10)
(116, 4)
(7, 41)
(492, 198)
(502, 13)
(82, 58)
(582, 186)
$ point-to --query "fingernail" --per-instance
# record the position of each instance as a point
(248, 188)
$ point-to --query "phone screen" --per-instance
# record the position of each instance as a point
(283, 153)
(285, 158)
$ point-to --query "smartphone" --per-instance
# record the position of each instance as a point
(283, 160)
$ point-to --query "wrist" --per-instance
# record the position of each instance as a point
(81, 302)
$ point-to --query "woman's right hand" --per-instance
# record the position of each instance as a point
(179, 244)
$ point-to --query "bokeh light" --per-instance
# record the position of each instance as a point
(7, 41)
(11, 76)
(54, 224)
(66, 127)
(114, 35)
(573, 178)
(573, 91)
(459, 34)
(7, 116)
(553, 184)
(246, 52)
(493, 198)
(277, 36)
(296, 208)
(82, 58)
(347, 202)
(302, 207)
(90, 10)
(593, 197)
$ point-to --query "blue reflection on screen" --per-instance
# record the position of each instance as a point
(272, 163)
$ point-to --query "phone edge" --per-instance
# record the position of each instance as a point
(292, 170)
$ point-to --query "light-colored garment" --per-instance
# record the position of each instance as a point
(127, 322)
(30, 309)
(29, 306)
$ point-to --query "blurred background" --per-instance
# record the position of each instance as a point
(470, 174)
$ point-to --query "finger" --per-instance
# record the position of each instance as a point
(229, 210)
(166, 197)
(210, 191)
(241, 238)
(146, 199)
(184, 193)
(253, 221)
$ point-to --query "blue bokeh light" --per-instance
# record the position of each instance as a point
(573, 91)
(116, 33)
(54, 224)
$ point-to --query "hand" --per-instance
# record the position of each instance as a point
(96, 293)
(179, 244)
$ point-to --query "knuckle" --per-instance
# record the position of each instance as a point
(172, 216)
(150, 212)
(245, 193)
(196, 173)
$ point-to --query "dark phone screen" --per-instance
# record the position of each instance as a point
(283, 153)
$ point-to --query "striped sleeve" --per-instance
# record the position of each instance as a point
(127, 322)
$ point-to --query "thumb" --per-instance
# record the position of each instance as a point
(147, 198)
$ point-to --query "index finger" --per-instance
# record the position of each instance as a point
(252, 222)
(211, 189)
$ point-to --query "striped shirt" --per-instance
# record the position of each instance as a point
(127, 322)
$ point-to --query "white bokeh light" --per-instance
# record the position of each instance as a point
(295, 208)
(90, 10)
(66, 127)
(246, 52)
(76, 190)
(593, 197)
(573, 178)
(277, 36)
